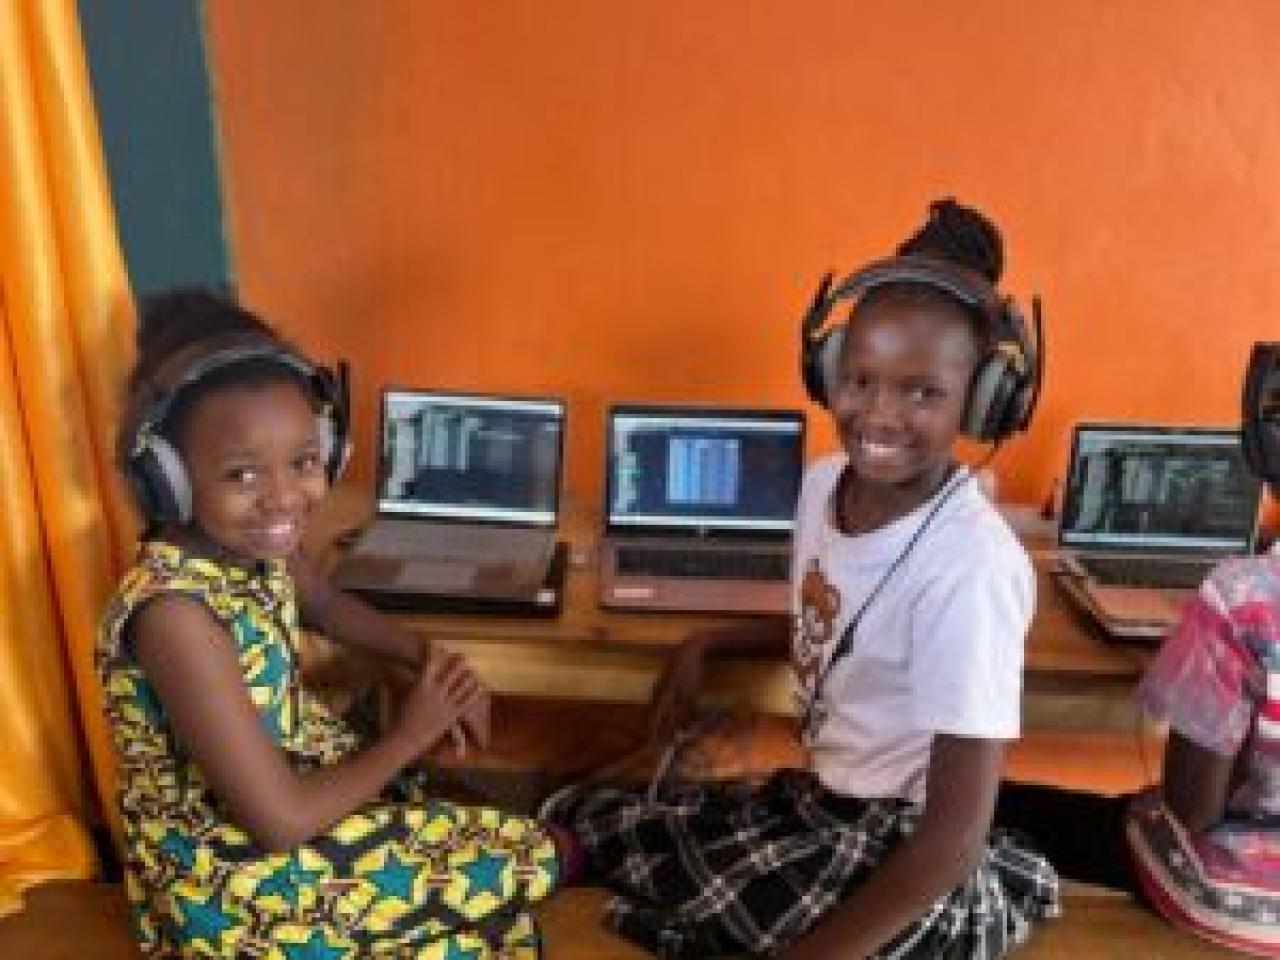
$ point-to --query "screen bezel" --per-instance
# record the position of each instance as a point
(707, 412)
(390, 508)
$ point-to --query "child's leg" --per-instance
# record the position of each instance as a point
(1081, 834)
(730, 869)
(686, 867)
(989, 914)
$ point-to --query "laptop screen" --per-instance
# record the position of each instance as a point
(704, 469)
(1168, 489)
(470, 457)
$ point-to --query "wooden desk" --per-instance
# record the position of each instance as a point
(593, 654)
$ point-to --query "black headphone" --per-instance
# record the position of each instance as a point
(152, 463)
(1260, 412)
(1006, 383)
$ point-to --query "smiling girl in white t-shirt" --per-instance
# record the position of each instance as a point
(912, 603)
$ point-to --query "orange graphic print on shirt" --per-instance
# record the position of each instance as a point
(819, 608)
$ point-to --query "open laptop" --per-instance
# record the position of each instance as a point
(468, 498)
(700, 508)
(1147, 511)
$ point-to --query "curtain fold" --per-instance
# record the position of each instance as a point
(66, 321)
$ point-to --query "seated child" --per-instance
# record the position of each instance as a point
(1202, 847)
(255, 824)
(912, 601)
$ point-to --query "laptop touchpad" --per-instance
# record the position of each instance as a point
(1140, 605)
(440, 575)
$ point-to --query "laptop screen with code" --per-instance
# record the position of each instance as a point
(704, 469)
(470, 457)
(1158, 488)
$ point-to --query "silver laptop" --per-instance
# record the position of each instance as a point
(700, 508)
(1147, 511)
(468, 497)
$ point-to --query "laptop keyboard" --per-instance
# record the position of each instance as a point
(476, 543)
(1145, 571)
(703, 564)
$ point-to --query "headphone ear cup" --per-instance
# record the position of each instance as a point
(1259, 432)
(987, 403)
(329, 389)
(1025, 367)
(1011, 409)
(160, 481)
(328, 442)
(1251, 448)
(817, 363)
(335, 450)
(1002, 394)
(831, 345)
(1251, 445)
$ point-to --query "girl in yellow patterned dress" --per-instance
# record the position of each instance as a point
(256, 825)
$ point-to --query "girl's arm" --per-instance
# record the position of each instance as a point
(190, 660)
(351, 621)
(963, 776)
(1196, 782)
(675, 692)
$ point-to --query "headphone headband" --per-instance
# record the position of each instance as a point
(154, 465)
(1006, 383)
(967, 286)
(196, 361)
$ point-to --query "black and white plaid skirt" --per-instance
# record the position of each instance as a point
(705, 870)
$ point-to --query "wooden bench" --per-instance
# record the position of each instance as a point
(89, 921)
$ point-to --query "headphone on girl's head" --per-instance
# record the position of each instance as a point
(152, 463)
(1260, 412)
(1006, 383)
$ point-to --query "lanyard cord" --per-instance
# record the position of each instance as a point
(845, 643)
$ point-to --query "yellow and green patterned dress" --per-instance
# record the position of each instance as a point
(419, 879)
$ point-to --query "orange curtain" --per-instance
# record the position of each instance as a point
(66, 321)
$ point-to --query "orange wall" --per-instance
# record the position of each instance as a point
(632, 200)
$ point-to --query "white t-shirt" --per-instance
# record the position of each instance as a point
(939, 650)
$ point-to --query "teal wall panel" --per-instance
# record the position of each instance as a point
(151, 88)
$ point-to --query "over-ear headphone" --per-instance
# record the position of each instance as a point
(1260, 412)
(152, 463)
(1006, 383)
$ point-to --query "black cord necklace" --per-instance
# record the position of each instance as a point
(815, 713)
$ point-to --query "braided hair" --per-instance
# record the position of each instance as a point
(962, 236)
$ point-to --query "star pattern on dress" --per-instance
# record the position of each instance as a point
(205, 919)
(288, 881)
(315, 948)
(395, 877)
(455, 952)
(484, 873)
(178, 847)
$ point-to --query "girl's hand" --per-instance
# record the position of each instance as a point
(675, 693)
(475, 718)
(447, 692)
(475, 715)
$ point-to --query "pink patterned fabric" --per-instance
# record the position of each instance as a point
(1217, 681)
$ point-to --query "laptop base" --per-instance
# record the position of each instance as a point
(659, 593)
(1141, 632)
(546, 601)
